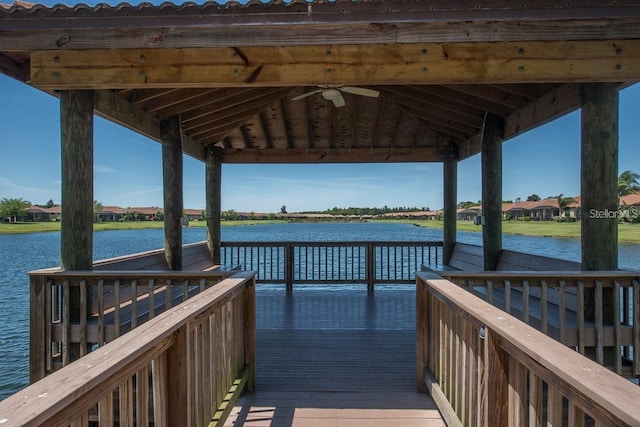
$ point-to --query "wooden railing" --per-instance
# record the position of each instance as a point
(110, 309)
(332, 262)
(555, 304)
(184, 367)
(485, 368)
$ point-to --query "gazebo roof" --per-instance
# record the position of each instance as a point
(230, 71)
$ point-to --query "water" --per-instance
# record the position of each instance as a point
(22, 253)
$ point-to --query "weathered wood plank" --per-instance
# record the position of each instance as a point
(172, 171)
(430, 63)
(492, 136)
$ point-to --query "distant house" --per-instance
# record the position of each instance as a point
(111, 213)
(469, 213)
(421, 215)
(40, 214)
(630, 206)
(543, 210)
(194, 214)
(573, 209)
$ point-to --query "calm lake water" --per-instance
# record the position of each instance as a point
(25, 252)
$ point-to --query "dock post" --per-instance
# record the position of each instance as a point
(450, 184)
(599, 191)
(173, 198)
(76, 236)
(214, 203)
(492, 136)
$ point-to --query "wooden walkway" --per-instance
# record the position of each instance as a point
(335, 358)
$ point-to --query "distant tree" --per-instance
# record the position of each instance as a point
(97, 209)
(13, 208)
(518, 199)
(507, 201)
(467, 204)
(533, 198)
(283, 209)
(628, 183)
(50, 204)
(563, 202)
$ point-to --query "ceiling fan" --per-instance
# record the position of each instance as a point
(333, 93)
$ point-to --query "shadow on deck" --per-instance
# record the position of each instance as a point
(333, 358)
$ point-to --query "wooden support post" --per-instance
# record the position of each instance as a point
(492, 190)
(37, 329)
(450, 183)
(214, 200)
(371, 267)
(76, 126)
(249, 333)
(173, 198)
(599, 191)
(423, 340)
(76, 236)
(599, 177)
(288, 265)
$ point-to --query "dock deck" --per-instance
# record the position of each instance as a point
(335, 358)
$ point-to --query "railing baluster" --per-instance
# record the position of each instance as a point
(134, 303)
(83, 317)
(65, 322)
(599, 332)
(543, 306)
(525, 301)
(116, 310)
(101, 327)
(167, 294)
(151, 297)
(636, 327)
(617, 339)
(536, 409)
(580, 286)
(507, 296)
(562, 312)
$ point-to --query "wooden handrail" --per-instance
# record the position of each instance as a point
(177, 350)
(555, 303)
(487, 368)
(112, 303)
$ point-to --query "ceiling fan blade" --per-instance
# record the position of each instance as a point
(338, 101)
(360, 91)
(304, 95)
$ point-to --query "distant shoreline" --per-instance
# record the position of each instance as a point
(627, 233)
(43, 227)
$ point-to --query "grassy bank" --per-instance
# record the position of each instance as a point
(626, 232)
(40, 227)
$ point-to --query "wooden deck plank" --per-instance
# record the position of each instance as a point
(335, 358)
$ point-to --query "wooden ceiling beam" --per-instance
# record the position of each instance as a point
(206, 98)
(556, 103)
(248, 101)
(334, 155)
(448, 105)
(110, 106)
(491, 94)
(457, 98)
(428, 109)
(420, 63)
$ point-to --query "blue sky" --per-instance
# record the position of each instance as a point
(128, 167)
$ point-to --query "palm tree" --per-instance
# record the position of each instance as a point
(628, 183)
(13, 208)
(563, 202)
(97, 209)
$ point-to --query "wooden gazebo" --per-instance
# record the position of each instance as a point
(218, 82)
